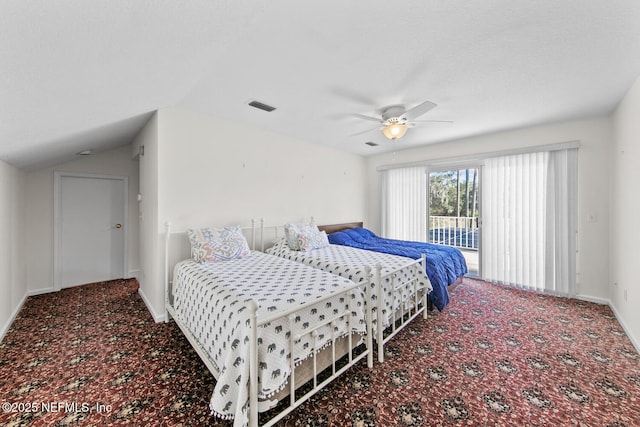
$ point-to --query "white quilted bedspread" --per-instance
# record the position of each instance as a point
(211, 300)
(350, 262)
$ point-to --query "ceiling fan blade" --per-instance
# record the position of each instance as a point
(432, 121)
(365, 131)
(418, 110)
(419, 123)
(373, 119)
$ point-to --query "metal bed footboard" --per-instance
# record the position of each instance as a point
(296, 335)
(400, 316)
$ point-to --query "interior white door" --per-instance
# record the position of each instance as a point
(91, 229)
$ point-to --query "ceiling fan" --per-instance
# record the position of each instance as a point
(396, 120)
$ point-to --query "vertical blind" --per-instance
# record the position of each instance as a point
(529, 220)
(529, 216)
(404, 204)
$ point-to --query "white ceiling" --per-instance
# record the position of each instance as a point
(78, 74)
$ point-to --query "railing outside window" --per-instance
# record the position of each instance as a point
(461, 232)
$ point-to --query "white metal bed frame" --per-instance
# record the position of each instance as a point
(419, 303)
(406, 314)
(290, 316)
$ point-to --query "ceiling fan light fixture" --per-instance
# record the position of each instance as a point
(395, 130)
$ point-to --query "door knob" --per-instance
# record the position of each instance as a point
(118, 225)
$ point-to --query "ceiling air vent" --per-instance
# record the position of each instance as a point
(261, 106)
(371, 144)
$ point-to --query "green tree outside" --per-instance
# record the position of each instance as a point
(454, 193)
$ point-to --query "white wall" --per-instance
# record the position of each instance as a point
(625, 206)
(595, 138)
(214, 172)
(39, 215)
(151, 276)
(13, 283)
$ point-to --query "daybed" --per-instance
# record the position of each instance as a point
(399, 286)
(264, 325)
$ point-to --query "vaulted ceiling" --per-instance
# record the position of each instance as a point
(79, 74)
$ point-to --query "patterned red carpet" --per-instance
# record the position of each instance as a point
(92, 355)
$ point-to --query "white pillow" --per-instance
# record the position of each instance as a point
(212, 245)
(311, 239)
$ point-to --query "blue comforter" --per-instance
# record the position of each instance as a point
(445, 264)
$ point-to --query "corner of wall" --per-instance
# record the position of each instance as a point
(12, 318)
(156, 317)
(13, 283)
(147, 145)
(634, 340)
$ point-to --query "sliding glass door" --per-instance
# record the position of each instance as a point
(453, 211)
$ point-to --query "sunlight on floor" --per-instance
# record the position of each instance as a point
(472, 259)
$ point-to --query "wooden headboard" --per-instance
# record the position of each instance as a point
(332, 228)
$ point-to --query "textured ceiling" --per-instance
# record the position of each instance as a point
(80, 74)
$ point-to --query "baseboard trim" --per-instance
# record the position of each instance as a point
(596, 300)
(156, 317)
(40, 291)
(616, 313)
(12, 318)
(633, 339)
(135, 274)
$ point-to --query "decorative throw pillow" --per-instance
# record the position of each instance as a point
(211, 245)
(293, 229)
(311, 239)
